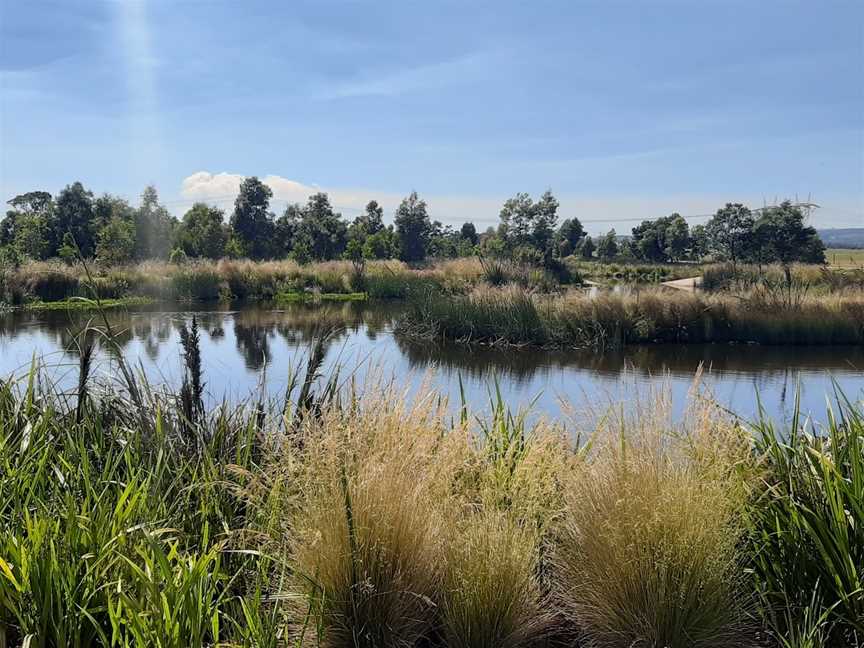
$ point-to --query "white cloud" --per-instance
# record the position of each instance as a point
(222, 189)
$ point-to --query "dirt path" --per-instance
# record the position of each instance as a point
(690, 283)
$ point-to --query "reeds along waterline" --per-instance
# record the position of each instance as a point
(374, 519)
(227, 279)
(516, 317)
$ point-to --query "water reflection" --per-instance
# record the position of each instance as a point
(238, 344)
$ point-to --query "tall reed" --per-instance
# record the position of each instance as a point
(807, 541)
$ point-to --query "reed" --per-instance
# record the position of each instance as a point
(807, 542)
(227, 280)
(512, 316)
(743, 277)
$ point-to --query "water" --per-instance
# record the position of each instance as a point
(252, 347)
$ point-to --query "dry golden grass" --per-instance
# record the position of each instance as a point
(647, 550)
(843, 258)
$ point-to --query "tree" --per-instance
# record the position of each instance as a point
(607, 248)
(252, 222)
(116, 241)
(677, 238)
(380, 245)
(570, 234)
(662, 240)
(544, 220)
(412, 228)
(285, 229)
(698, 242)
(729, 232)
(321, 230)
(517, 218)
(74, 215)
(371, 221)
(469, 233)
(28, 225)
(153, 227)
(586, 248)
(202, 232)
(787, 238)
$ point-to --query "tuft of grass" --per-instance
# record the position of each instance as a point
(647, 552)
(807, 540)
(490, 593)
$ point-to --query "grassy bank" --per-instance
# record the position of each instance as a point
(845, 258)
(137, 518)
(804, 278)
(515, 317)
(228, 280)
(83, 303)
(633, 272)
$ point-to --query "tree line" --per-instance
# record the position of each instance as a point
(40, 226)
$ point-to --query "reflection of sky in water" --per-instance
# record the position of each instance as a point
(238, 345)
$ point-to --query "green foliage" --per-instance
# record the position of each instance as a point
(320, 233)
(251, 221)
(807, 540)
(729, 232)
(202, 232)
(74, 216)
(663, 240)
(116, 242)
(607, 247)
(526, 223)
(413, 228)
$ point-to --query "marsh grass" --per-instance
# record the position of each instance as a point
(807, 537)
(228, 280)
(816, 278)
(647, 554)
(512, 316)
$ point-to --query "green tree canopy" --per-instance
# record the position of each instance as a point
(202, 232)
(787, 239)
(413, 228)
(729, 232)
(570, 234)
(116, 241)
(468, 232)
(74, 216)
(607, 248)
(321, 230)
(252, 222)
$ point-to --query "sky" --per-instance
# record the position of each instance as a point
(625, 110)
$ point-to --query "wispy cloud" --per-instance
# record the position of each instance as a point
(464, 69)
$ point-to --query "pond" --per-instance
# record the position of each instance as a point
(247, 348)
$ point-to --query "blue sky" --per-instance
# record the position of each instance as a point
(626, 110)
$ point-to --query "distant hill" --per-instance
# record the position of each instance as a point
(846, 237)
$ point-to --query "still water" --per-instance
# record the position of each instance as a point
(250, 348)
